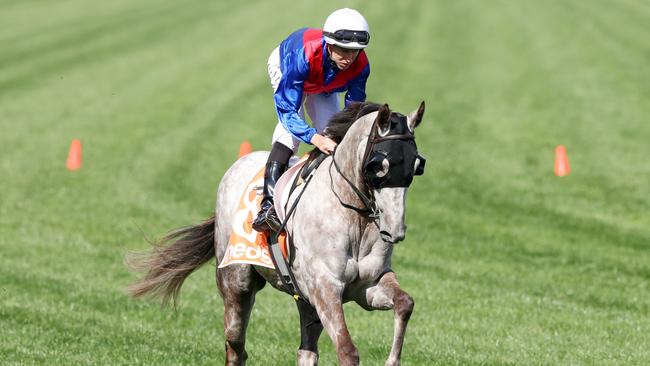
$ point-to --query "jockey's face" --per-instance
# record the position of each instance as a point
(342, 57)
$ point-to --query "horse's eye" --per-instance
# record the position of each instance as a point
(384, 168)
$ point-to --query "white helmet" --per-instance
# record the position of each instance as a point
(347, 28)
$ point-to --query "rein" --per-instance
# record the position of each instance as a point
(370, 210)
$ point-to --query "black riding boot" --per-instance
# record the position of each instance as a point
(267, 219)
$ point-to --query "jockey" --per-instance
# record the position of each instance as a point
(307, 71)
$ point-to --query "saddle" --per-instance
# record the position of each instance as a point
(247, 246)
(291, 182)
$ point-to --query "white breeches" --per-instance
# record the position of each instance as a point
(320, 107)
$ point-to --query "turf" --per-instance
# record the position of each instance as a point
(508, 264)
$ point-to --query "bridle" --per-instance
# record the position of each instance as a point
(369, 201)
(371, 210)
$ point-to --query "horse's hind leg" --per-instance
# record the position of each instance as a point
(310, 330)
(238, 285)
(387, 294)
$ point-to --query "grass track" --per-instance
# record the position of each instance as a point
(508, 264)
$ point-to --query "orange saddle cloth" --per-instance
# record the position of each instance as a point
(245, 245)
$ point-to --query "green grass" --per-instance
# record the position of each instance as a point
(508, 264)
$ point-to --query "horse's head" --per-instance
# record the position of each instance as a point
(387, 158)
(390, 162)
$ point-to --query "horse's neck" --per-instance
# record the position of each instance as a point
(348, 158)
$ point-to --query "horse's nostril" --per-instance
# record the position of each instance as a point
(386, 236)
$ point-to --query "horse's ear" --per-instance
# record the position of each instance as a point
(382, 119)
(415, 117)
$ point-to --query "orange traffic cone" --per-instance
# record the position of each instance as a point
(245, 148)
(74, 156)
(562, 167)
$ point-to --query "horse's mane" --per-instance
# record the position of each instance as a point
(341, 122)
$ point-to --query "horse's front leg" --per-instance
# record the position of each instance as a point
(387, 294)
(326, 296)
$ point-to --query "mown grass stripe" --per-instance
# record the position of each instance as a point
(72, 33)
(144, 33)
(507, 263)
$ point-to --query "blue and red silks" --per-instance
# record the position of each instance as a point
(307, 69)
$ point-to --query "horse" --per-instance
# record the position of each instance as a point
(344, 228)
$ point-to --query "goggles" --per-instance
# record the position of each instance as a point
(349, 36)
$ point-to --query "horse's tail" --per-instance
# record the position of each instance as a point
(172, 260)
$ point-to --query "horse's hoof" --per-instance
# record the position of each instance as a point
(307, 358)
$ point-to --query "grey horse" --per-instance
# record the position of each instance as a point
(343, 230)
